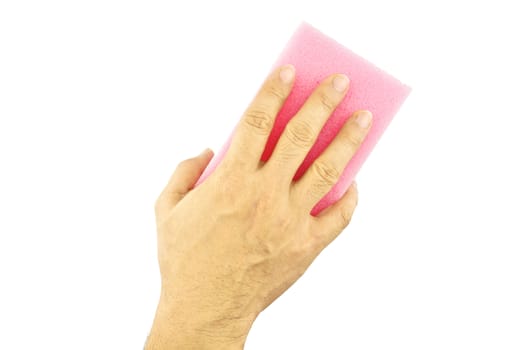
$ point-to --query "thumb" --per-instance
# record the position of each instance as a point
(184, 178)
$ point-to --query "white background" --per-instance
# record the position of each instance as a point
(99, 100)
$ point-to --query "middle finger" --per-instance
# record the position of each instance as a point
(302, 130)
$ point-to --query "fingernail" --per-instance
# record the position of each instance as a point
(363, 119)
(287, 73)
(340, 82)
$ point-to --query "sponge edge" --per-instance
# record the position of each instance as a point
(315, 56)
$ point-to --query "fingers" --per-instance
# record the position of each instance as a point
(183, 180)
(325, 171)
(302, 130)
(334, 219)
(251, 134)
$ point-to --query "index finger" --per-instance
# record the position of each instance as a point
(252, 131)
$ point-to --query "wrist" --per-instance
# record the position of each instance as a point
(162, 339)
(184, 328)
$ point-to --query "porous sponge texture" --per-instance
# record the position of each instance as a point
(315, 56)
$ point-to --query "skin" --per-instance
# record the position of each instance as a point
(229, 247)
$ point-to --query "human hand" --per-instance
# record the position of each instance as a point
(229, 247)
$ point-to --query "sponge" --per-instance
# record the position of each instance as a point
(315, 56)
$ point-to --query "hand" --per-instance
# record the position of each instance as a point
(229, 247)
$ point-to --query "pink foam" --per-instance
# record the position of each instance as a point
(315, 56)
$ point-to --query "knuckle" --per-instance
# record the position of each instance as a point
(276, 92)
(353, 140)
(259, 119)
(159, 204)
(184, 164)
(326, 103)
(346, 217)
(326, 173)
(300, 133)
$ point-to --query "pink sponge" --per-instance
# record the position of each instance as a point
(315, 56)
